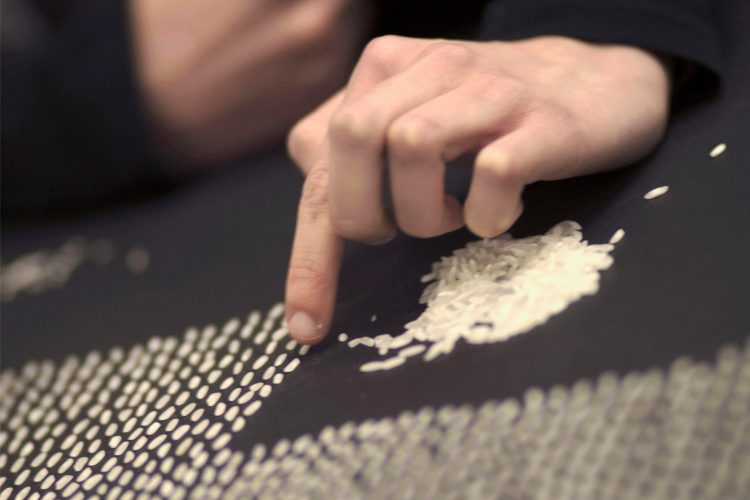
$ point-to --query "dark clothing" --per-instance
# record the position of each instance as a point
(684, 29)
(73, 128)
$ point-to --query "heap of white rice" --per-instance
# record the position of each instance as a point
(494, 289)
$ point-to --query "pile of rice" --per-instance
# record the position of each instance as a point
(493, 289)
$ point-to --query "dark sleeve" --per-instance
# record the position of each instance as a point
(441, 19)
(684, 29)
(72, 128)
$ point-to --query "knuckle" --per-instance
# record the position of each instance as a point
(352, 125)
(304, 274)
(411, 137)
(315, 190)
(382, 50)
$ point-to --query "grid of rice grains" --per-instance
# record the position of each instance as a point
(157, 421)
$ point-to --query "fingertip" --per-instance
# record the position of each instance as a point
(484, 231)
(309, 341)
(478, 230)
(453, 214)
(371, 232)
(389, 236)
(305, 329)
(494, 202)
(491, 225)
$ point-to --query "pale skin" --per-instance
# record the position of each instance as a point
(545, 108)
(220, 78)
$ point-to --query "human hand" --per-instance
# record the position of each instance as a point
(220, 78)
(539, 109)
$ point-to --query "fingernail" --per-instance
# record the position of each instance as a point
(303, 326)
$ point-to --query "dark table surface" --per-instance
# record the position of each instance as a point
(219, 249)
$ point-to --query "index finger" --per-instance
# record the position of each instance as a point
(315, 263)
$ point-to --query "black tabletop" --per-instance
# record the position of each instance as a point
(219, 248)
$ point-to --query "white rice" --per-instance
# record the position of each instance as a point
(656, 192)
(42, 270)
(494, 289)
(718, 150)
(617, 237)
